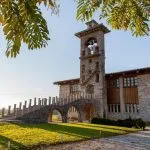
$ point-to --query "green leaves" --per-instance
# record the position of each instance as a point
(131, 15)
(23, 22)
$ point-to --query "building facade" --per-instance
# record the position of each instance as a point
(118, 95)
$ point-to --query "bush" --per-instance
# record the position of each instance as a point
(137, 123)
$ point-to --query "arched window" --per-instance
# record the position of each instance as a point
(97, 77)
(91, 44)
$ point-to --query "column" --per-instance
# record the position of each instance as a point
(9, 108)
(122, 105)
(3, 112)
(35, 101)
(14, 109)
(49, 100)
(20, 105)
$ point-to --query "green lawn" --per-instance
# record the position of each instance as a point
(28, 136)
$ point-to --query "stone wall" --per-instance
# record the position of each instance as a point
(64, 90)
(144, 96)
(116, 116)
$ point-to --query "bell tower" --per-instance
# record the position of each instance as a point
(92, 64)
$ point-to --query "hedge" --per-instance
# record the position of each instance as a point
(137, 123)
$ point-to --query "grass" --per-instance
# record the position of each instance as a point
(24, 136)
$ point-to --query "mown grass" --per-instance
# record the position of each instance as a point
(24, 136)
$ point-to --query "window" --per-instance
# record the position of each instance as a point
(130, 82)
(74, 88)
(90, 71)
(97, 65)
(90, 61)
(97, 77)
(83, 78)
(83, 68)
(116, 83)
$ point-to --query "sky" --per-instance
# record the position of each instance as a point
(32, 73)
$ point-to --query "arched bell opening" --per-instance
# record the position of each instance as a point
(55, 116)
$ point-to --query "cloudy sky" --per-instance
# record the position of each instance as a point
(32, 73)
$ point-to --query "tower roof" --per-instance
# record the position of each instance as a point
(93, 28)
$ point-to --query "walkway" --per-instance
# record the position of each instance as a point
(133, 141)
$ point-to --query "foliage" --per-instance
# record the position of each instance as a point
(137, 123)
(32, 136)
(131, 15)
(23, 22)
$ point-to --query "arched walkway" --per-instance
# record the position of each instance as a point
(55, 116)
(73, 114)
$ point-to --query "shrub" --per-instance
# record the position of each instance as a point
(137, 123)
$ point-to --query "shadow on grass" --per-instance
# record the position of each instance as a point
(82, 133)
(14, 145)
(79, 131)
(111, 127)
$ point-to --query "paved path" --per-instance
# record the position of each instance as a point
(133, 141)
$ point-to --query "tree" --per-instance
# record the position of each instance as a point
(119, 14)
(22, 20)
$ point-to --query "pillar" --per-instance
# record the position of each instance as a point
(14, 109)
(45, 101)
(20, 105)
(49, 100)
(29, 107)
(25, 104)
(3, 112)
(122, 105)
(39, 102)
(35, 101)
(9, 108)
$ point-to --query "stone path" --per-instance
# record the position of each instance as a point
(133, 141)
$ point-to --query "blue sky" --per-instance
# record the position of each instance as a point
(32, 73)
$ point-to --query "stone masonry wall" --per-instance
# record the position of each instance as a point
(144, 96)
(64, 90)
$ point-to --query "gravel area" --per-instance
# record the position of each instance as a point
(133, 141)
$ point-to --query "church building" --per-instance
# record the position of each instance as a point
(119, 95)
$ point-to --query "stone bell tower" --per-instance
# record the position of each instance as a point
(92, 64)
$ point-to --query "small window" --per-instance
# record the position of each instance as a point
(83, 68)
(97, 65)
(90, 71)
(130, 82)
(97, 77)
(83, 78)
(74, 88)
(90, 61)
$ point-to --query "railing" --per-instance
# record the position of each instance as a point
(129, 108)
(38, 103)
(114, 108)
(132, 108)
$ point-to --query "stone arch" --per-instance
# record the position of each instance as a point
(51, 113)
(91, 41)
(78, 111)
